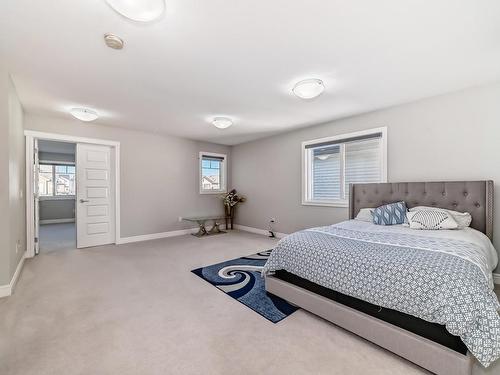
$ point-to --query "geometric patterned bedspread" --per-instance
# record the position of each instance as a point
(439, 280)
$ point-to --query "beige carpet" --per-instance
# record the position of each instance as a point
(57, 237)
(136, 309)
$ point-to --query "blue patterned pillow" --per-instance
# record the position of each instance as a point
(390, 214)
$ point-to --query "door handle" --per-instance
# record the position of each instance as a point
(84, 201)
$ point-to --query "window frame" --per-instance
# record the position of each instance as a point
(223, 182)
(307, 165)
(54, 197)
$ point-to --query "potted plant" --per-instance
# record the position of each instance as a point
(230, 200)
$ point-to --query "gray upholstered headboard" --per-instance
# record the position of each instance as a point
(475, 197)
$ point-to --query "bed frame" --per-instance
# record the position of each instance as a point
(475, 197)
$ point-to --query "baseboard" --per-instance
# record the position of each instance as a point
(7, 290)
(182, 232)
(57, 221)
(496, 278)
(258, 231)
(155, 236)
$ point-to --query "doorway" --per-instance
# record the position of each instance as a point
(56, 189)
(72, 192)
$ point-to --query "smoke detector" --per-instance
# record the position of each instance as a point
(113, 41)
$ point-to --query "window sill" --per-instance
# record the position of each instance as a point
(326, 204)
(58, 198)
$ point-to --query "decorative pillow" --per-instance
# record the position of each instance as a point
(431, 220)
(365, 214)
(463, 219)
(390, 214)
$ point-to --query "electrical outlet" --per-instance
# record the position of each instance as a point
(180, 218)
(18, 246)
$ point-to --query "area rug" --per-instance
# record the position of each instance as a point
(241, 279)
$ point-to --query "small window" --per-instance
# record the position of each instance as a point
(56, 180)
(332, 164)
(212, 173)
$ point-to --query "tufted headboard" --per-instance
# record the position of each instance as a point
(475, 197)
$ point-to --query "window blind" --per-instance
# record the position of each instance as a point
(326, 178)
(362, 163)
(213, 158)
(335, 164)
(377, 135)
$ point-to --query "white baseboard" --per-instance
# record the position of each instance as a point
(155, 236)
(496, 278)
(182, 232)
(258, 231)
(7, 290)
(56, 221)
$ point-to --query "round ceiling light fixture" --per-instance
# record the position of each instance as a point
(309, 88)
(84, 114)
(113, 41)
(138, 10)
(323, 157)
(222, 122)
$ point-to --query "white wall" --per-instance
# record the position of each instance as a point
(159, 174)
(12, 207)
(17, 177)
(449, 137)
(4, 184)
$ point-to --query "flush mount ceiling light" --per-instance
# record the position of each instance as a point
(138, 10)
(309, 88)
(323, 157)
(84, 114)
(113, 41)
(222, 122)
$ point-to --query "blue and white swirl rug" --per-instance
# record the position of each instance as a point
(240, 278)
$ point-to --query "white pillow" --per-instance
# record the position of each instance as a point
(463, 219)
(431, 220)
(365, 214)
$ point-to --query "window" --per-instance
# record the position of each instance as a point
(212, 173)
(56, 180)
(332, 164)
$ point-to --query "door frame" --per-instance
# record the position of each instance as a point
(31, 135)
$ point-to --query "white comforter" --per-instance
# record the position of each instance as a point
(441, 276)
(467, 234)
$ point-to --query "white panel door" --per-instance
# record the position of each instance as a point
(95, 223)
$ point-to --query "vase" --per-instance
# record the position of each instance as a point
(229, 216)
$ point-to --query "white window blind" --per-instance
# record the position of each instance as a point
(326, 173)
(331, 164)
(362, 162)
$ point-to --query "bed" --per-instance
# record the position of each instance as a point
(424, 295)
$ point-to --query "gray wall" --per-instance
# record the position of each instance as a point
(449, 137)
(12, 207)
(56, 209)
(54, 156)
(159, 174)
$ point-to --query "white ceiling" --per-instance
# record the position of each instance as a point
(239, 58)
